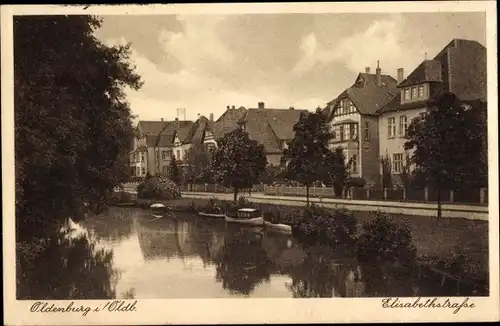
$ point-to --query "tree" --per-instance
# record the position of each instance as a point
(386, 172)
(72, 122)
(337, 170)
(448, 144)
(174, 171)
(238, 161)
(306, 153)
(197, 161)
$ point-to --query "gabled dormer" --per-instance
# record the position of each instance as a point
(419, 85)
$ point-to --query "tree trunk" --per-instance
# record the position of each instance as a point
(307, 195)
(235, 194)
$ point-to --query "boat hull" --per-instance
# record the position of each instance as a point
(284, 228)
(212, 215)
(256, 221)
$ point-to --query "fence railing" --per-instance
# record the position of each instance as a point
(218, 188)
(475, 196)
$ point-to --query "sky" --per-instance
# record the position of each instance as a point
(204, 63)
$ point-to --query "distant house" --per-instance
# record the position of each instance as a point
(353, 118)
(460, 67)
(269, 127)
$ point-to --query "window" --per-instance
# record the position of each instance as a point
(354, 163)
(164, 155)
(391, 132)
(407, 94)
(351, 107)
(366, 131)
(397, 162)
(143, 171)
(421, 91)
(142, 157)
(157, 156)
(336, 132)
(403, 125)
(178, 154)
(347, 132)
(414, 93)
(354, 131)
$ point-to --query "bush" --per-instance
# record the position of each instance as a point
(325, 226)
(383, 240)
(156, 188)
(121, 196)
(277, 215)
(213, 207)
(355, 182)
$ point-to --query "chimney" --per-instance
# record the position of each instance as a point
(176, 119)
(379, 74)
(233, 107)
(401, 75)
(291, 108)
(211, 117)
(367, 70)
(228, 107)
(198, 115)
(161, 119)
(261, 105)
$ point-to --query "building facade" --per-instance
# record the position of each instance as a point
(460, 67)
(354, 123)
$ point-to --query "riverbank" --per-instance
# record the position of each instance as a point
(440, 243)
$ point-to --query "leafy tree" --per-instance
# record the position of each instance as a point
(386, 172)
(337, 170)
(197, 161)
(449, 144)
(72, 122)
(174, 171)
(306, 153)
(238, 161)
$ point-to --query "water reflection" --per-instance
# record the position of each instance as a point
(68, 268)
(189, 257)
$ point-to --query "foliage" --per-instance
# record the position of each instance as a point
(72, 123)
(386, 172)
(326, 226)
(384, 241)
(355, 182)
(272, 174)
(197, 161)
(174, 171)
(450, 144)
(405, 172)
(337, 170)
(213, 207)
(119, 197)
(278, 215)
(238, 161)
(305, 155)
(158, 188)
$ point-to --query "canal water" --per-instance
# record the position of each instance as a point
(184, 256)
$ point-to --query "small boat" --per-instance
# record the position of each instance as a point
(285, 228)
(247, 216)
(158, 209)
(214, 215)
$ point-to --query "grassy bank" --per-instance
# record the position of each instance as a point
(440, 243)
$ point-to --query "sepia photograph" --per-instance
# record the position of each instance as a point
(257, 154)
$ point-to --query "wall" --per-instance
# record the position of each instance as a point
(369, 154)
(389, 146)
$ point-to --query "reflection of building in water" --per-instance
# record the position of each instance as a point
(353, 285)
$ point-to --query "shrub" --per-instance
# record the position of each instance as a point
(383, 240)
(277, 215)
(355, 182)
(325, 226)
(156, 188)
(213, 206)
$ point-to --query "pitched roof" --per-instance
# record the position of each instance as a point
(270, 126)
(366, 95)
(427, 71)
(196, 131)
(151, 127)
(227, 122)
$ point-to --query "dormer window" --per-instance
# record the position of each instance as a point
(345, 106)
(414, 93)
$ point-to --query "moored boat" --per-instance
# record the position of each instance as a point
(247, 216)
(158, 209)
(284, 228)
(213, 215)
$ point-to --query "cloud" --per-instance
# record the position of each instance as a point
(382, 40)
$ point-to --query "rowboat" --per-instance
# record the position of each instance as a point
(158, 209)
(285, 228)
(213, 215)
(247, 216)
